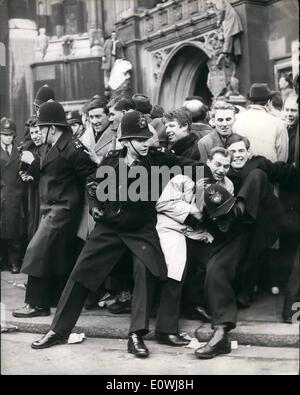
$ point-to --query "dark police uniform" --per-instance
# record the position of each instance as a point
(125, 225)
(62, 171)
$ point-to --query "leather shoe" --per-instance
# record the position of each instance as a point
(122, 303)
(29, 311)
(171, 339)
(48, 340)
(217, 345)
(137, 346)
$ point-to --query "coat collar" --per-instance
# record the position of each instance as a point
(55, 150)
(183, 144)
(14, 155)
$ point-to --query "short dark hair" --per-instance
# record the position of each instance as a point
(181, 115)
(236, 138)
(276, 101)
(218, 150)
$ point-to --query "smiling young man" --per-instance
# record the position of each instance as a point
(181, 140)
(98, 116)
(224, 117)
(122, 225)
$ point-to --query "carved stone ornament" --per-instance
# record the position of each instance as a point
(149, 24)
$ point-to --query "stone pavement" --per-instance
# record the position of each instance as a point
(259, 325)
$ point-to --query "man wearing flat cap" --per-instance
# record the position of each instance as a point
(267, 133)
(122, 225)
(12, 193)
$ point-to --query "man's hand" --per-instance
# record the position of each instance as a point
(27, 157)
(25, 177)
(202, 183)
(92, 154)
(96, 214)
(92, 187)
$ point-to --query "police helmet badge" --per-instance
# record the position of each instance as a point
(142, 122)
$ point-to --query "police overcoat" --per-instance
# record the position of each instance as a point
(63, 171)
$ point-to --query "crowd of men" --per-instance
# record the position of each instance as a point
(198, 248)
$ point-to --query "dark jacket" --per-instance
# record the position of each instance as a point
(12, 193)
(63, 171)
(188, 147)
(123, 213)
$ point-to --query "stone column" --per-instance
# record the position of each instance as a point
(95, 27)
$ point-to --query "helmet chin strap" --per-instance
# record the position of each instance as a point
(46, 140)
(134, 148)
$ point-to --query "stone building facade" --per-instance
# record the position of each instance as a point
(171, 45)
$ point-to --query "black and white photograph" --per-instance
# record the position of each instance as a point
(149, 201)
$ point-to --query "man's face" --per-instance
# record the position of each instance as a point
(97, 117)
(174, 131)
(115, 116)
(137, 147)
(6, 140)
(36, 135)
(239, 154)
(219, 165)
(290, 111)
(224, 119)
(46, 136)
(76, 128)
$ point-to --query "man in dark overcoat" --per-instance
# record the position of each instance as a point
(123, 224)
(63, 169)
(32, 184)
(251, 226)
(12, 192)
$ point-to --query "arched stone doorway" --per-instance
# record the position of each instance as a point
(184, 74)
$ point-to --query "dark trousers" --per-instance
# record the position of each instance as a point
(44, 292)
(11, 252)
(220, 278)
(75, 294)
(293, 289)
(198, 255)
(264, 229)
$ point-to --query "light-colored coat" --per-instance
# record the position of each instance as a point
(173, 207)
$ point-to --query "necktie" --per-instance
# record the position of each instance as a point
(7, 151)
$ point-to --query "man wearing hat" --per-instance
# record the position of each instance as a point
(98, 116)
(267, 133)
(12, 193)
(123, 224)
(62, 169)
(75, 121)
(43, 94)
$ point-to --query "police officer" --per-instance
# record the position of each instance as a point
(75, 121)
(43, 94)
(63, 168)
(122, 225)
(12, 191)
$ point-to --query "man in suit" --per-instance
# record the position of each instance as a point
(62, 169)
(123, 223)
(12, 193)
(224, 116)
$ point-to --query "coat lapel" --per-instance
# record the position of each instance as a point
(54, 152)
